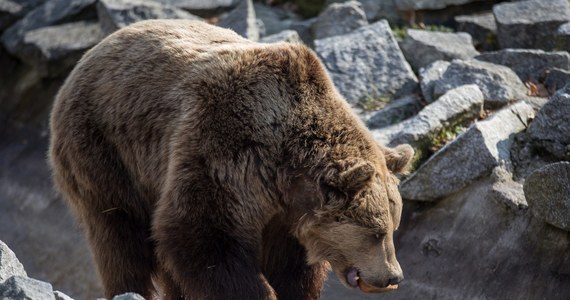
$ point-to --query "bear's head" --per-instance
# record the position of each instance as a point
(358, 208)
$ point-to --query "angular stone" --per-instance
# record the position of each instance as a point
(429, 75)
(506, 192)
(556, 79)
(304, 29)
(547, 191)
(471, 155)
(562, 37)
(129, 296)
(339, 19)
(54, 50)
(429, 4)
(550, 130)
(289, 36)
(47, 14)
(530, 24)
(18, 288)
(11, 10)
(61, 296)
(116, 14)
(274, 18)
(422, 47)
(242, 20)
(458, 106)
(367, 63)
(499, 84)
(376, 9)
(394, 112)
(203, 8)
(481, 27)
(529, 64)
(9, 263)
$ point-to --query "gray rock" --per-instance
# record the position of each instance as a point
(506, 192)
(203, 8)
(499, 84)
(9, 263)
(470, 156)
(19, 287)
(429, 4)
(50, 13)
(61, 296)
(304, 29)
(289, 36)
(367, 63)
(459, 106)
(481, 27)
(384, 135)
(562, 37)
(556, 79)
(11, 10)
(394, 112)
(530, 24)
(274, 19)
(536, 62)
(376, 9)
(550, 130)
(339, 19)
(128, 296)
(54, 50)
(429, 76)
(548, 193)
(242, 20)
(116, 14)
(422, 47)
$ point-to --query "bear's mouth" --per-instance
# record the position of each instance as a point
(354, 280)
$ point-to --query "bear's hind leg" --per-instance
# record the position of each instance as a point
(285, 266)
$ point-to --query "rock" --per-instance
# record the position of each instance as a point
(536, 62)
(11, 10)
(506, 192)
(290, 36)
(339, 19)
(274, 19)
(367, 63)
(384, 135)
(47, 14)
(481, 27)
(116, 14)
(304, 30)
(547, 191)
(429, 4)
(556, 79)
(422, 47)
(429, 75)
(459, 106)
(530, 24)
(19, 287)
(242, 20)
(203, 8)
(470, 156)
(9, 263)
(394, 112)
(499, 84)
(129, 296)
(61, 296)
(54, 50)
(376, 9)
(562, 37)
(550, 130)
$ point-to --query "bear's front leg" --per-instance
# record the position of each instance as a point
(208, 250)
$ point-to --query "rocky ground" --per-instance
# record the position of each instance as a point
(479, 88)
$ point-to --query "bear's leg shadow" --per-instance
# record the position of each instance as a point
(203, 243)
(94, 180)
(285, 266)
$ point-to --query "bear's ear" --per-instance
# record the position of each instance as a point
(398, 159)
(350, 174)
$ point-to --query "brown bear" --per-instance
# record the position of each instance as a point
(206, 166)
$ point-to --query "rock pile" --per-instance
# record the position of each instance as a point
(486, 107)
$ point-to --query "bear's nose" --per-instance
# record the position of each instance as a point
(395, 280)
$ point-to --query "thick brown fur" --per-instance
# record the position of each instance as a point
(218, 168)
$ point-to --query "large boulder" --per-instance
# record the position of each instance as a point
(481, 27)
(394, 112)
(429, 4)
(242, 20)
(556, 79)
(531, 23)
(422, 47)
(290, 36)
(548, 193)
(550, 131)
(12, 10)
(562, 37)
(116, 14)
(499, 84)
(470, 156)
(529, 64)
(9, 264)
(367, 63)
(429, 76)
(203, 8)
(20, 288)
(339, 19)
(376, 9)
